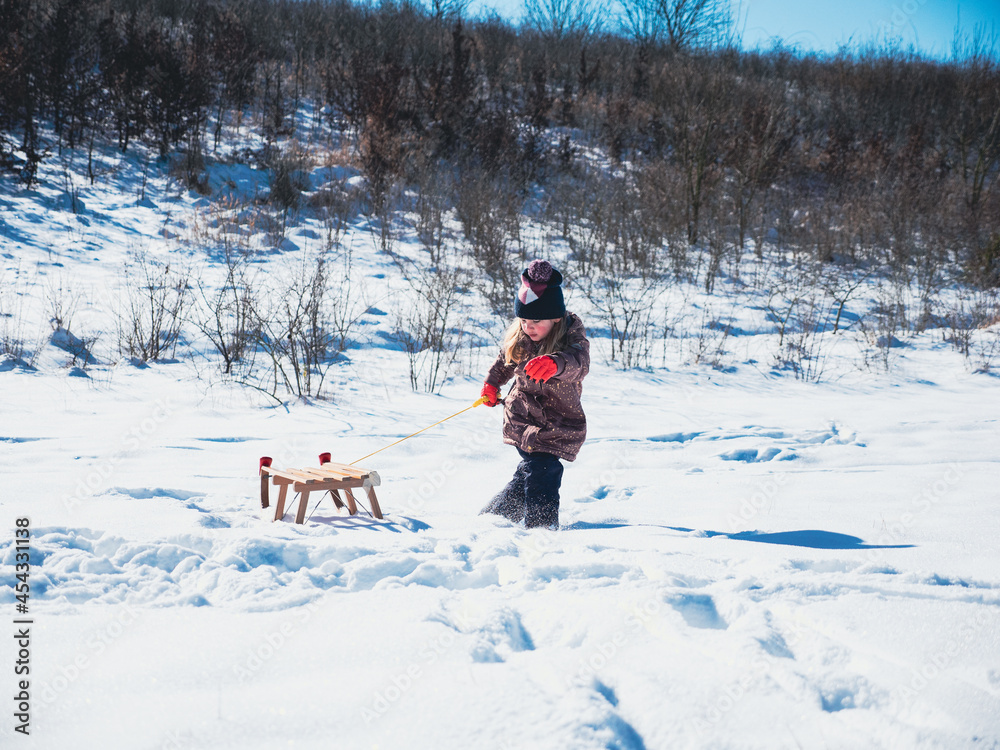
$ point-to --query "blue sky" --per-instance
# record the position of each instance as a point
(823, 25)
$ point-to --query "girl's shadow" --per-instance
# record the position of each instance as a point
(812, 538)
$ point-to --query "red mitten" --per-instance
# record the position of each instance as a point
(541, 368)
(490, 393)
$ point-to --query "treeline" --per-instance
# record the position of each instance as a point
(873, 157)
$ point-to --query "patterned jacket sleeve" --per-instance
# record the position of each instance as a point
(574, 361)
(500, 372)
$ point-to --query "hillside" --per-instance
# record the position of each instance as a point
(751, 553)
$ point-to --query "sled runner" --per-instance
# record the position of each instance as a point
(329, 477)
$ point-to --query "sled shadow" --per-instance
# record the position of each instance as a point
(361, 521)
(810, 538)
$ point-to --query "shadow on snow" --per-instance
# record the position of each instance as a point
(811, 538)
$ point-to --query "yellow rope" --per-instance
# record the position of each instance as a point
(480, 401)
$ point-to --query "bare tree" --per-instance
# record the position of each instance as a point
(682, 24)
(693, 100)
(760, 142)
(448, 9)
(561, 18)
(640, 19)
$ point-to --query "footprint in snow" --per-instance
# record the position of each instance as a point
(755, 456)
(501, 635)
(699, 611)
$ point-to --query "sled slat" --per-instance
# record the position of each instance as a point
(353, 471)
(365, 476)
(279, 474)
(326, 471)
(303, 475)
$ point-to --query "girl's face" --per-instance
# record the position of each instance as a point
(536, 330)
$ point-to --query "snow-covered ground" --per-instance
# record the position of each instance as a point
(745, 560)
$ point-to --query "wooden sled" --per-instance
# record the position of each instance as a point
(329, 477)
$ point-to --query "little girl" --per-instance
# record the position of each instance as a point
(546, 350)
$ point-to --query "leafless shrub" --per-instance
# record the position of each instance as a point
(80, 348)
(288, 175)
(983, 266)
(152, 302)
(627, 306)
(841, 286)
(71, 191)
(759, 145)
(188, 168)
(489, 211)
(690, 99)
(226, 228)
(302, 325)
(801, 344)
(429, 325)
(336, 203)
(15, 341)
(707, 344)
(382, 225)
(63, 302)
(973, 327)
(348, 302)
(660, 187)
(929, 277)
(882, 326)
(717, 247)
(433, 202)
(783, 296)
(578, 210)
(225, 314)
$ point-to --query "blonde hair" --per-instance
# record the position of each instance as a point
(513, 344)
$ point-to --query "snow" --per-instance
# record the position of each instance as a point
(745, 560)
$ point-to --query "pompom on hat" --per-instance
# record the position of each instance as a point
(540, 296)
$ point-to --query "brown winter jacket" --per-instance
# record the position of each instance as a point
(547, 417)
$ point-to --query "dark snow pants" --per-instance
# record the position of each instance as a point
(532, 495)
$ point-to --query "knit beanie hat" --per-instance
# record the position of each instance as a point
(540, 296)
